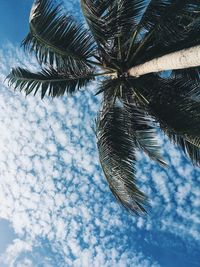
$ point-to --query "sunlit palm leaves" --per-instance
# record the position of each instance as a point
(122, 34)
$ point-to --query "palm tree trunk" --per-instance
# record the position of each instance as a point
(182, 59)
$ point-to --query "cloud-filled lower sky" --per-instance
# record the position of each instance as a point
(55, 200)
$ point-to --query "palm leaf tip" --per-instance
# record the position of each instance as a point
(48, 81)
(147, 142)
(34, 8)
(190, 145)
(56, 38)
(117, 158)
(143, 130)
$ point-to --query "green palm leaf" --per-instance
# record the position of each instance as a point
(49, 81)
(193, 140)
(109, 21)
(110, 89)
(191, 74)
(149, 20)
(144, 131)
(154, 12)
(174, 102)
(99, 18)
(117, 158)
(140, 126)
(55, 38)
(166, 26)
(127, 15)
(189, 145)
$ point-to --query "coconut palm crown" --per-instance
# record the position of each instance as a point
(121, 34)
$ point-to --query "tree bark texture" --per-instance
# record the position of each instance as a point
(186, 58)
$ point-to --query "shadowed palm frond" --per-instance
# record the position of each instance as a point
(155, 11)
(109, 21)
(101, 18)
(120, 88)
(55, 38)
(117, 158)
(167, 26)
(144, 130)
(111, 89)
(50, 81)
(140, 126)
(150, 18)
(189, 145)
(193, 140)
(175, 103)
(127, 14)
(97, 14)
(192, 74)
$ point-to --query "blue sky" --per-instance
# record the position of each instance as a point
(56, 208)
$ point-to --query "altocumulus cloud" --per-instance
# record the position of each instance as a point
(53, 192)
(51, 188)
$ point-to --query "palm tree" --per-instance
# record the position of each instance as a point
(128, 43)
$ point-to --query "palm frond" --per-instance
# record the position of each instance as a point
(127, 14)
(192, 74)
(189, 145)
(119, 89)
(144, 131)
(142, 126)
(109, 21)
(154, 12)
(167, 26)
(176, 33)
(175, 103)
(193, 140)
(151, 16)
(117, 158)
(49, 81)
(55, 38)
(97, 14)
(110, 89)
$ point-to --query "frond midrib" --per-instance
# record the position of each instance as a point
(52, 80)
(53, 47)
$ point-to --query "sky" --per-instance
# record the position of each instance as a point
(56, 208)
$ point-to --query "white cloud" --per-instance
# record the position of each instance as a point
(14, 250)
(51, 185)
